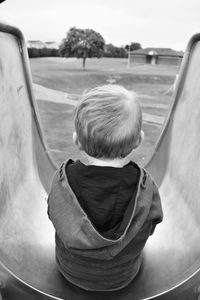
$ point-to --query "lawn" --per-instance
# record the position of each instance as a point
(67, 75)
(150, 82)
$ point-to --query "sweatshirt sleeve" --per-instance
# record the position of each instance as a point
(156, 212)
(57, 206)
(51, 201)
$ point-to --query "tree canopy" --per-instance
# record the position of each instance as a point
(113, 51)
(82, 43)
(133, 46)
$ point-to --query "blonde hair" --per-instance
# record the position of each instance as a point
(108, 121)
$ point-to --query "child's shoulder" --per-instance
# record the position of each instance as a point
(146, 179)
(70, 164)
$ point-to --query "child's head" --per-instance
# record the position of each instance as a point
(108, 122)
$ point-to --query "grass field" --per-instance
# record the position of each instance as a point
(150, 82)
(67, 75)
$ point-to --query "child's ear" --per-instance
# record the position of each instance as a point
(140, 139)
(141, 136)
(75, 138)
(76, 141)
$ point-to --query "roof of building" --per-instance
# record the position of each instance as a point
(36, 44)
(52, 45)
(40, 45)
(158, 51)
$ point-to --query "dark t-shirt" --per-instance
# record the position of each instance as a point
(105, 194)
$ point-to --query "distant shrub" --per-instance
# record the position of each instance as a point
(113, 51)
(43, 52)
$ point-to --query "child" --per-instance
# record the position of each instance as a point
(104, 212)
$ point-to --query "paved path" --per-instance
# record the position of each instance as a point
(43, 93)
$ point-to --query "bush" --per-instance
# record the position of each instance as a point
(113, 51)
(43, 52)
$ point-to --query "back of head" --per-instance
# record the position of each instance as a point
(108, 122)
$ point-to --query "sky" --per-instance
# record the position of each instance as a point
(152, 23)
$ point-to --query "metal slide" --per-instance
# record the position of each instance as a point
(171, 268)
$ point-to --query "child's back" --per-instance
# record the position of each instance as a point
(105, 211)
(104, 193)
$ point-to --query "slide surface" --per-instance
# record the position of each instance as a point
(27, 258)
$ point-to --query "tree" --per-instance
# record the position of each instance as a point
(133, 46)
(82, 43)
(113, 51)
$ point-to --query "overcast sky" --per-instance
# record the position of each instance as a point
(158, 23)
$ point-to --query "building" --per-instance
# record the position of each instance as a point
(36, 44)
(162, 56)
(41, 45)
(51, 45)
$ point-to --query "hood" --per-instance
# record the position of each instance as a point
(75, 229)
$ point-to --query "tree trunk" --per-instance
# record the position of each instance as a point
(84, 59)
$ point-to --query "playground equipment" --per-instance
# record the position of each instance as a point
(171, 268)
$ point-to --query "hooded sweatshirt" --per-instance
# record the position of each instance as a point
(96, 253)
